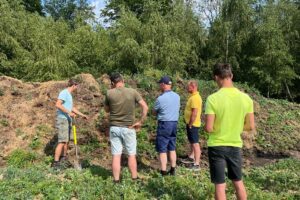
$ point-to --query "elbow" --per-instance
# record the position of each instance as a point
(208, 129)
(57, 106)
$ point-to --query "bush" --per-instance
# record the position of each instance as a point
(21, 158)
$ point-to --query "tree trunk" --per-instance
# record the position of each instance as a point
(288, 91)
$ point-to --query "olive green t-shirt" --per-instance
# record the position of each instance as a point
(230, 106)
(122, 102)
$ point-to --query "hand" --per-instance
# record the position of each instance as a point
(72, 114)
(136, 126)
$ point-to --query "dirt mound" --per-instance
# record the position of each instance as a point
(28, 111)
(27, 119)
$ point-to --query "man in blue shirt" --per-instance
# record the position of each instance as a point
(167, 110)
(65, 112)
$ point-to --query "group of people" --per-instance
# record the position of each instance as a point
(227, 113)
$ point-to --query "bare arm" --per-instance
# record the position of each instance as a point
(249, 124)
(144, 107)
(193, 116)
(209, 122)
(59, 105)
(74, 110)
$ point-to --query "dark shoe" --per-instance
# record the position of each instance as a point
(194, 168)
(172, 171)
(117, 181)
(187, 160)
(63, 158)
(163, 173)
(56, 165)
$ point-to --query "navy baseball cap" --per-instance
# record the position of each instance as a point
(166, 80)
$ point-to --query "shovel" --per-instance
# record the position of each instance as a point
(77, 164)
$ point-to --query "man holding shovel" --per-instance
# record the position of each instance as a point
(65, 112)
(120, 102)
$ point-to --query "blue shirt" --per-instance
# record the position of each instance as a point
(67, 99)
(167, 106)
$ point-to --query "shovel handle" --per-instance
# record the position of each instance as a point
(74, 134)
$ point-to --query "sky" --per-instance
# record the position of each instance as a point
(98, 5)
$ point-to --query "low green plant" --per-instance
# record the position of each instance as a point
(1, 91)
(4, 123)
(21, 158)
(43, 129)
(35, 143)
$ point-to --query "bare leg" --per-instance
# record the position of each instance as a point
(220, 191)
(132, 165)
(240, 190)
(163, 161)
(65, 149)
(58, 151)
(191, 155)
(197, 153)
(173, 158)
(116, 166)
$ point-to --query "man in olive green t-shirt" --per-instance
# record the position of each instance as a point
(120, 102)
(228, 112)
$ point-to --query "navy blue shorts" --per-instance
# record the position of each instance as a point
(166, 136)
(192, 134)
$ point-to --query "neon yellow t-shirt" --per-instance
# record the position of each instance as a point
(230, 106)
(194, 101)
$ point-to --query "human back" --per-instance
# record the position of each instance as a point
(230, 107)
(168, 104)
(122, 102)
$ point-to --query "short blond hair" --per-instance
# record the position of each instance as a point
(193, 82)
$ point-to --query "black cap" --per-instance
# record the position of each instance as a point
(166, 80)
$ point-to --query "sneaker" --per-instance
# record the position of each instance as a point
(194, 168)
(187, 160)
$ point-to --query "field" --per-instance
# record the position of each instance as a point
(271, 156)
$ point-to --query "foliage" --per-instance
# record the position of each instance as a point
(259, 38)
(94, 182)
(20, 158)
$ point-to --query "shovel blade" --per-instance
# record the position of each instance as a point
(77, 165)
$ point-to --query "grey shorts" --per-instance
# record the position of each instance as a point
(121, 137)
(63, 129)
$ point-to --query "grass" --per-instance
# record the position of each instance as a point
(276, 181)
(4, 123)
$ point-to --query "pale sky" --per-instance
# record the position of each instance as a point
(98, 6)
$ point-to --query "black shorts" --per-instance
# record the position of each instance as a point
(192, 134)
(222, 156)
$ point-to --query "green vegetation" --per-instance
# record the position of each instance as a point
(58, 39)
(20, 158)
(4, 123)
(276, 181)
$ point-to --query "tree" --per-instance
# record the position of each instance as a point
(34, 6)
(138, 7)
(69, 10)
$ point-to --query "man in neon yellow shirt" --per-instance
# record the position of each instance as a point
(192, 119)
(228, 112)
